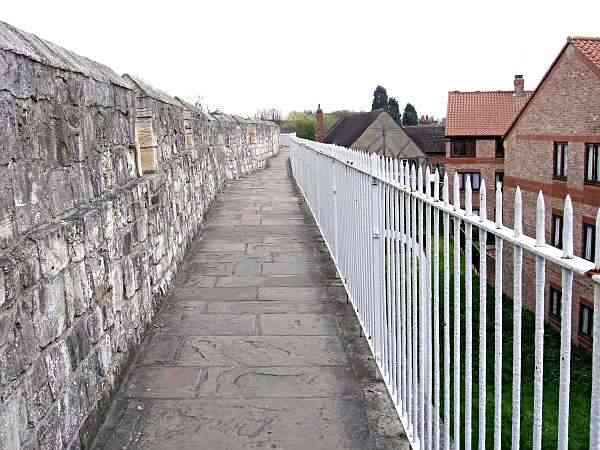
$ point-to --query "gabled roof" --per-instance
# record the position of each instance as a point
(483, 113)
(429, 138)
(589, 48)
(348, 129)
(36, 49)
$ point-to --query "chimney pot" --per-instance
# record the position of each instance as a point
(519, 84)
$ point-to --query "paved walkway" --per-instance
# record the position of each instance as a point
(256, 348)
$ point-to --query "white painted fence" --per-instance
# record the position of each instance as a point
(367, 209)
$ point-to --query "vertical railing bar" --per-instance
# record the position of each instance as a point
(498, 327)
(482, 316)
(565, 331)
(436, 315)
(468, 316)
(415, 303)
(457, 322)
(428, 326)
(422, 315)
(446, 217)
(517, 319)
(540, 283)
(595, 403)
(403, 291)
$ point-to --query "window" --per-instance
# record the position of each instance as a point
(592, 163)
(589, 238)
(557, 225)
(475, 180)
(464, 147)
(499, 179)
(586, 320)
(561, 156)
(555, 301)
(499, 148)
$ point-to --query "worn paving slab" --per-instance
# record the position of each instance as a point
(256, 347)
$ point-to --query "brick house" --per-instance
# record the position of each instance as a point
(475, 127)
(554, 146)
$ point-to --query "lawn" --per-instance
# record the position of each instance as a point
(581, 372)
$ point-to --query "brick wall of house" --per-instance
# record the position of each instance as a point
(566, 108)
(485, 162)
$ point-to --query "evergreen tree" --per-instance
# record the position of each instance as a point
(393, 108)
(410, 116)
(380, 98)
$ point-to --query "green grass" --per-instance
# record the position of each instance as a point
(580, 373)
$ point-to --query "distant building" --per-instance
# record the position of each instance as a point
(431, 140)
(476, 124)
(554, 146)
(375, 132)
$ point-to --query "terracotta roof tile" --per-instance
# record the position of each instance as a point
(482, 113)
(590, 47)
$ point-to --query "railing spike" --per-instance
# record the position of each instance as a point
(518, 225)
(427, 182)
(482, 200)
(568, 229)
(436, 185)
(420, 179)
(446, 190)
(498, 205)
(540, 220)
(456, 192)
(468, 196)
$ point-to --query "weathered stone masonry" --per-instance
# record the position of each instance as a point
(94, 220)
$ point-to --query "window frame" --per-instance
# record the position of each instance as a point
(462, 180)
(472, 142)
(588, 227)
(560, 217)
(499, 148)
(560, 172)
(555, 316)
(594, 177)
(590, 308)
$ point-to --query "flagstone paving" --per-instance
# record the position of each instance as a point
(256, 347)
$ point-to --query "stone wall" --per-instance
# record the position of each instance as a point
(91, 234)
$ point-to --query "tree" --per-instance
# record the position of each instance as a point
(410, 116)
(380, 98)
(394, 110)
(305, 128)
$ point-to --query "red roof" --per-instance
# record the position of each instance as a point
(590, 47)
(483, 113)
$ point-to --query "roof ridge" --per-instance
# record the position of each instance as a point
(583, 38)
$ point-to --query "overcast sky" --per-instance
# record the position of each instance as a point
(244, 55)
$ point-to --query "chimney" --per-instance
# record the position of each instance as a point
(319, 127)
(519, 84)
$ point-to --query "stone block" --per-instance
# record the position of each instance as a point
(49, 432)
(49, 312)
(10, 286)
(37, 392)
(58, 366)
(52, 250)
(74, 236)
(97, 275)
(27, 258)
(81, 290)
(12, 423)
(92, 228)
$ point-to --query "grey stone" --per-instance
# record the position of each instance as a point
(210, 324)
(298, 324)
(260, 351)
(49, 314)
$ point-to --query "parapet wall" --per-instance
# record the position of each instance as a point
(104, 181)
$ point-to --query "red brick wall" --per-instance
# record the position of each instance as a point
(565, 108)
(485, 162)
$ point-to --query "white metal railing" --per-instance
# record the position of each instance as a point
(367, 208)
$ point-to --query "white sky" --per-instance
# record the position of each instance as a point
(244, 55)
